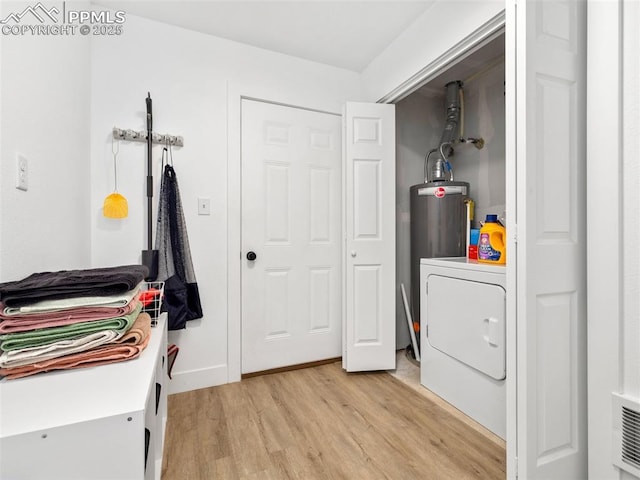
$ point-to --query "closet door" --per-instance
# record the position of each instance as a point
(546, 138)
(369, 339)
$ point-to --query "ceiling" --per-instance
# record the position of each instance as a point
(347, 34)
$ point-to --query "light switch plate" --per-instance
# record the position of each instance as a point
(204, 206)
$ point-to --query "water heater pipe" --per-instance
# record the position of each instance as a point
(450, 134)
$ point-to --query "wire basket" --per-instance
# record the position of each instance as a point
(151, 296)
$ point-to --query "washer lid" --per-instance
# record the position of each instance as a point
(466, 320)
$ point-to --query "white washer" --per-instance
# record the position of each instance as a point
(463, 337)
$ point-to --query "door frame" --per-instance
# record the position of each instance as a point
(464, 48)
(236, 92)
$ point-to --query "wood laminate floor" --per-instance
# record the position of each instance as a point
(322, 423)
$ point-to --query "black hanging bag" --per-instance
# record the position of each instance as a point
(175, 268)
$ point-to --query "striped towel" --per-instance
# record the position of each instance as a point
(45, 336)
(31, 321)
(105, 354)
(26, 356)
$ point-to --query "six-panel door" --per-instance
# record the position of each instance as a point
(291, 230)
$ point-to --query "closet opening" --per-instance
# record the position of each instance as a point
(451, 357)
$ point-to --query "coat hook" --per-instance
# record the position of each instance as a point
(161, 138)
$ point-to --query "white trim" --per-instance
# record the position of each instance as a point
(343, 236)
(470, 44)
(234, 222)
(235, 94)
(604, 232)
(512, 269)
(289, 105)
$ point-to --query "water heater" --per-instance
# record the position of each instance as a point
(438, 227)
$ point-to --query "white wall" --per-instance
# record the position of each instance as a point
(614, 230)
(44, 94)
(438, 29)
(189, 75)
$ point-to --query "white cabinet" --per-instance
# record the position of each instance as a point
(90, 423)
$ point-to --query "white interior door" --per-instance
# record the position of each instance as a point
(370, 271)
(291, 221)
(548, 142)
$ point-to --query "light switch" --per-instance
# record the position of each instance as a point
(204, 206)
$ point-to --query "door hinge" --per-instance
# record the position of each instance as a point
(515, 232)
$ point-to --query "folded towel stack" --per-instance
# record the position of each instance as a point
(71, 319)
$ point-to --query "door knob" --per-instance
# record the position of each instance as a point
(251, 256)
(353, 253)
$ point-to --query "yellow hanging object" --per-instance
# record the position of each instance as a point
(115, 206)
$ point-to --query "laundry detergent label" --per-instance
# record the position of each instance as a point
(485, 251)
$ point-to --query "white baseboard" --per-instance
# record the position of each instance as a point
(195, 379)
